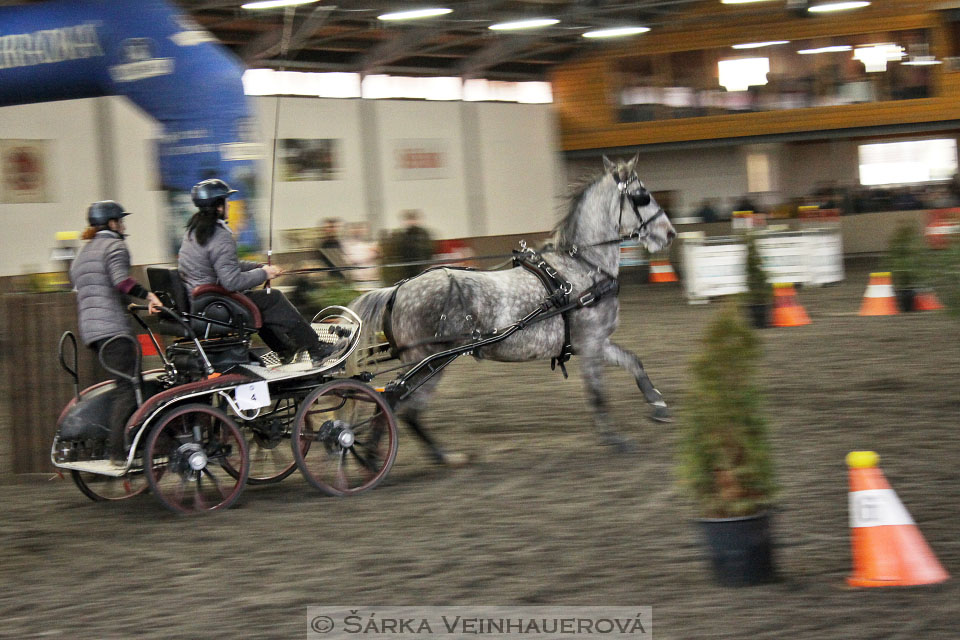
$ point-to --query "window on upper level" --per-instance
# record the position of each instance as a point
(910, 162)
(776, 75)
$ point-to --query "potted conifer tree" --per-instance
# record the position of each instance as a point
(758, 298)
(905, 257)
(725, 453)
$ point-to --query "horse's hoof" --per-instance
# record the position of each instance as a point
(455, 459)
(619, 444)
(661, 414)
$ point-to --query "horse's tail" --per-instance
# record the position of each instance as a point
(372, 308)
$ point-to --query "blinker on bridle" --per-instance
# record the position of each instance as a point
(636, 201)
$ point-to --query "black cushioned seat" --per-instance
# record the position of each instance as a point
(210, 301)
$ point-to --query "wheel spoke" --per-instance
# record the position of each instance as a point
(216, 483)
(341, 479)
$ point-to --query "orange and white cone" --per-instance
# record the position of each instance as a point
(662, 271)
(888, 548)
(879, 298)
(926, 300)
(787, 311)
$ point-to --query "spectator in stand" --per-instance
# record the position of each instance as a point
(360, 251)
(330, 234)
(412, 243)
(706, 212)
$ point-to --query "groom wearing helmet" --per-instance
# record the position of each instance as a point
(101, 275)
(208, 255)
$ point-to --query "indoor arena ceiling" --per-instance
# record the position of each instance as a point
(346, 35)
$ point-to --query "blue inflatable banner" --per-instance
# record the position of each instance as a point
(164, 63)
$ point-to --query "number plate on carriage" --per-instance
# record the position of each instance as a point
(252, 396)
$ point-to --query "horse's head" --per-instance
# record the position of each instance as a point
(639, 213)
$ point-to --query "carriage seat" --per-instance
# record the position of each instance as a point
(210, 301)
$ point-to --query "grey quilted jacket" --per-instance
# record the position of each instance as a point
(217, 263)
(101, 272)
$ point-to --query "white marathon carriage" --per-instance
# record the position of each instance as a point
(220, 415)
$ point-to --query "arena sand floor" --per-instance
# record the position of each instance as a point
(542, 515)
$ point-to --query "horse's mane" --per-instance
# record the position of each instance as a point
(567, 226)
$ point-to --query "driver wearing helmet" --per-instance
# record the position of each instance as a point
(101, 275)
(208, 255)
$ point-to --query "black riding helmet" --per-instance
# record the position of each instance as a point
(207, 192)
(100, 213)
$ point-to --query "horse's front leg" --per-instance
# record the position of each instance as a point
(591, 369)
(628, 360)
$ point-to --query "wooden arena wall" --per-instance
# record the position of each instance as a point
(585, 90)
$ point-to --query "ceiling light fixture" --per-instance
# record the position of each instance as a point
(615, 32)
(273, 4)
(740, 1)
(837, 48)
(838, 6)
(415, 14)
(534, 23)
(757, 45)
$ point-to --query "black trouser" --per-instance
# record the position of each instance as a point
(284, 330)
(121, 356)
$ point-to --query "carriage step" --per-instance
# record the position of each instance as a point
(100, 467)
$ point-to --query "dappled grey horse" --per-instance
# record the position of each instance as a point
(445, 308)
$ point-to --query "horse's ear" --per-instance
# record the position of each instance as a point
(632, 165)
(609, 166)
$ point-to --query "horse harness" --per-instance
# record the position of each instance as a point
(558, 300)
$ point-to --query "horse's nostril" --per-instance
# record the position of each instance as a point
(671, 235)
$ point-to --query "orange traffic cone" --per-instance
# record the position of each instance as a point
(888, 549)
(879, 299)
(926, 300)
(787, 312)
(662, 271)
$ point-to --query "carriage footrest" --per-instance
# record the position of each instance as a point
(100, 467)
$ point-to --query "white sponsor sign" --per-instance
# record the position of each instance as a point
(141, 70)
(877, 508)
(252, 396)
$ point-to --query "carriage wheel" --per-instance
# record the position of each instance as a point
(200, 460)
(271, 459)
(100, 488)
(347, 437)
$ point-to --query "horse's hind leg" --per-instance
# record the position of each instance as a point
(615, 354)
(591, 369)
(410, 411)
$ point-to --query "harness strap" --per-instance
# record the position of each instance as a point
(557, 296)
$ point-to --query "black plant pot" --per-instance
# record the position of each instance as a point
(741, 549)
(905, 299)
(759, 315)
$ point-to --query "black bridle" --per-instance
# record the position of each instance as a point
(636, 201)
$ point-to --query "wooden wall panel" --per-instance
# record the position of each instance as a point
(37, 388)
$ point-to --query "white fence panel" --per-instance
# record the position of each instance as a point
(717, 266)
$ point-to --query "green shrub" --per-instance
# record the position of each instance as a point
(758, 289)
(725, 454)
(312, 294)
(944, 275)
(906, 256)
